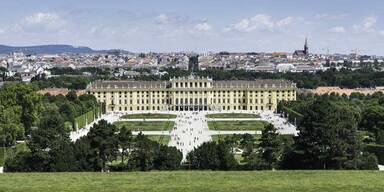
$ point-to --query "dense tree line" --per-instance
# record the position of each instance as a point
(334, 129)
(344, 78)
(63, 81)
(22, 108)
(19, 108)
(50, 149)
(368, 109)
(80, 71)
(332, 133)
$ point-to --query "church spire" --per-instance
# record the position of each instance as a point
(306, 47)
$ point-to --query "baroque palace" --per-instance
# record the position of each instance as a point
(192, 94)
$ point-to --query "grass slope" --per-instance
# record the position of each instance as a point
(207, 181)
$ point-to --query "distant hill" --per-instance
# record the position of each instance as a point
(53, 49)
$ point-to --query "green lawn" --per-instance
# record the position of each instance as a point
(199, 181)
(162, 139)
(146, 125)
(149, 116)
(237, 125)
(7, 150)
(233, 115)
(216, 138)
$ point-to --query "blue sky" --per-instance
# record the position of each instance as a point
(197, 25)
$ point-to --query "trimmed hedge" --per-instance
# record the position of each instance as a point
(378, 150)
(87, 117)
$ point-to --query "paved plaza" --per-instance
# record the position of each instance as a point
(191, 127)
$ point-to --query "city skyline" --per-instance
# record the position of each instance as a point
(236, 26)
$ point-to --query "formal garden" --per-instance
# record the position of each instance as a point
(148, 116)
(256, 125)
(233, 115)
(146, 125)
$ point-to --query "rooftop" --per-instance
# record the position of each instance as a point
(258, 83)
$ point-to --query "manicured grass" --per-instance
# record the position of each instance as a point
(162, 139)
(216, 138)
(199, 181)
(146, 125)
(237, 125)
(233, 115)
(149, 116)
(7, 150)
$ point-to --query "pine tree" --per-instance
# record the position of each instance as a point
(270, 147)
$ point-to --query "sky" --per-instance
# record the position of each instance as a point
(337, 26)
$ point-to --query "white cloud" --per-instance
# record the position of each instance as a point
(368, 25)
(285, 22)
(202, 27)
(162, 19)
(327, 16)
(42, 18)
(42, 21)
(263, 22)
(258, 22)
(338, 29)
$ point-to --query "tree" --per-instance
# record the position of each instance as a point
(327, 137)
(68, 111)
(125, 141)
(227, 160)
(11, 128)
(50, 128)
(104, 142)
(72, 95)
(270, 147)
(86, 158)
(23, 97)
(212, 155)
(167, 158)
(373, 120)
(248, 144)
(143, 154)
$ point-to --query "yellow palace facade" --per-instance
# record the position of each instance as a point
(192, 94)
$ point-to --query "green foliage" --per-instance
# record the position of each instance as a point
(328, 136)
(378, 150)
(49, 146)
(103, 142)
(64, 81)
(270, 147)
(18, 111)
(343, 78)
(373, 121)
(213, 156)
(125, 139)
